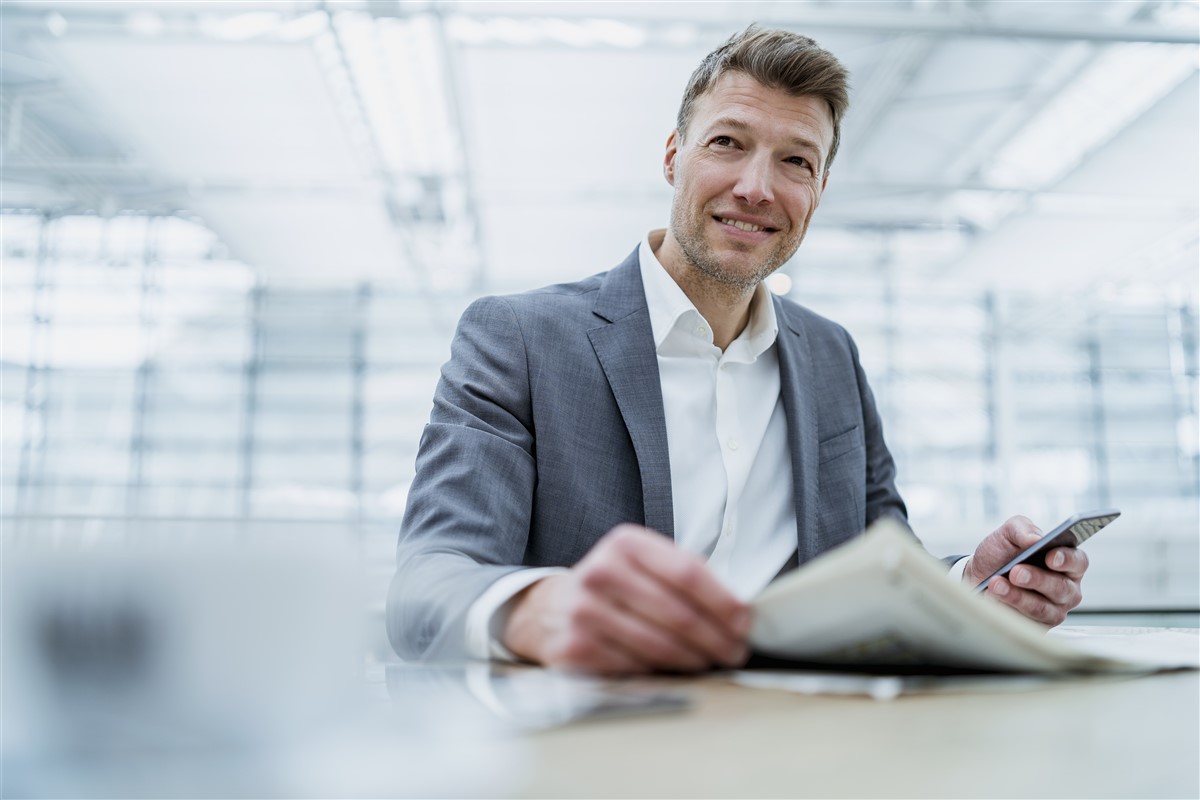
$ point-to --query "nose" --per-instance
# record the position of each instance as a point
(754, 181)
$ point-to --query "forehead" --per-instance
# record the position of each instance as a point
(769, 111)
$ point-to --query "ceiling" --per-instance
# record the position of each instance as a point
(452, 147)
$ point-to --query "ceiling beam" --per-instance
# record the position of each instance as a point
(662, 29)
(456, 107)
(866, 20)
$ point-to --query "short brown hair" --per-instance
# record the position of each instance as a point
(780, 60)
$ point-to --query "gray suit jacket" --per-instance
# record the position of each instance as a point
(548, 429)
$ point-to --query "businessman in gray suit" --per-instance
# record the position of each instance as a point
(614, 467)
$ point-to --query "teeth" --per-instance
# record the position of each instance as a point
(742, 226)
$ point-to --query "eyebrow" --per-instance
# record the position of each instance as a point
(741, 125)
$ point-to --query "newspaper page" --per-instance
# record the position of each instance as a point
(882, 600)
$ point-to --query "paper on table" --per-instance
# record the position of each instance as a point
(888, 687)
(1160, 648)
(881, 603)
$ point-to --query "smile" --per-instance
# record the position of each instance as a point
(743, 226)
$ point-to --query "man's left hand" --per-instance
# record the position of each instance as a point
(1044, 594)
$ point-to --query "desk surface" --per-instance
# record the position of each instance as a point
(468, 730)
(1087, 737)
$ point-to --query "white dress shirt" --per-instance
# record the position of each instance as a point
(731, 471)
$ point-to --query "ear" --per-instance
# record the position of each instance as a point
(669, 156)
(824, 181)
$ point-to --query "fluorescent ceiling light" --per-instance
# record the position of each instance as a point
(571, 33)
(617, 34)
(304, 27)
(341, 85)
(244, 27)
(1122, 83)
(354, 80)
(412, 96)
(518, 32)
(552, 30)
(467, 30)
(394, 72)
(145, 23)
(241, 27)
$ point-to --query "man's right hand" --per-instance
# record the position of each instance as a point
(635, 603)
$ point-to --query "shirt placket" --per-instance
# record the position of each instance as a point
(735, 453)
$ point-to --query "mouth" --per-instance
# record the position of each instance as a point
(748, 227)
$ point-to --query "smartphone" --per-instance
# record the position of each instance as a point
(1073, 532)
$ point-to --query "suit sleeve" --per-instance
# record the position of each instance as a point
(470, 504)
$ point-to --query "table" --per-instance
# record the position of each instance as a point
(1081, 737)
(484, 730)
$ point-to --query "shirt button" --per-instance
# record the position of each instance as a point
(724, 365)
(732, 444)
(728, 530)
(701, 331)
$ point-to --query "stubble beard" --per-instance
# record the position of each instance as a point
(688, 230)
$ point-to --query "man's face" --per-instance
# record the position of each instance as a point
(747, 178)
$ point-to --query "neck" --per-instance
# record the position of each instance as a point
(725, 307)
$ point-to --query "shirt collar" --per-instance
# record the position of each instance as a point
(668, 304)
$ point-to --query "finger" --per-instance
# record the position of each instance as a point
(657, 605)
(1059, 589)
(599, 654)
(1020, 531)
(545, 626)
(583, 645)
(1030, 604)
(650, 644)
(692, 580)
(681, 621)
(1068, 560)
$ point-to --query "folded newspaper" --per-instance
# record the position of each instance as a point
(881, 601)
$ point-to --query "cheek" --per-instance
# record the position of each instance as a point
(711, 178)
(807, 202)
(799, 209)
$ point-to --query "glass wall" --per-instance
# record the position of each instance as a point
(1002, 403)
(151, 384)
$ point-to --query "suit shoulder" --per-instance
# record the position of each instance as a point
(558, 308)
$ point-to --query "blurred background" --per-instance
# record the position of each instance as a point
(236, 237)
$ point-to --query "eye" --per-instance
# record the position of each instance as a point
(723, 141)
(799, 161)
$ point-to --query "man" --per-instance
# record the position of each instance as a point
(613, 467)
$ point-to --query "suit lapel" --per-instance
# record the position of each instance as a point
(625, 348)
(798, 389)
